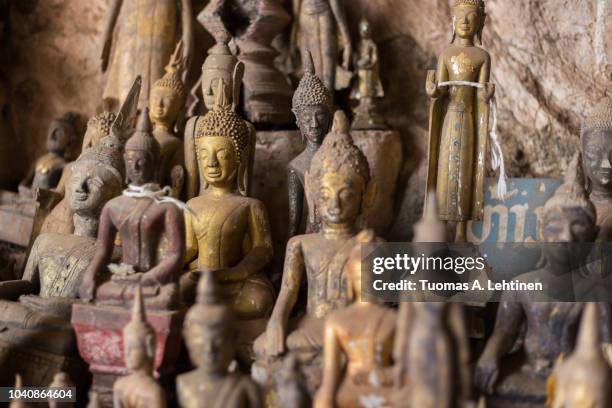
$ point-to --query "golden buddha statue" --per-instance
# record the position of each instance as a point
(584, 379)
(143, 43)
(221, 70)
(339, 190)
(360, 338)
(227, 232)
(596, 137)
(166, 104)
(210, 335)
(459, 120)
(138, 389)
(367, 87)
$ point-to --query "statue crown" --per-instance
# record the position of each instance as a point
(601, 117)
(102, 122)
(311, 91)
(172, 79)
(142, 139)
(474, 3)
(210, 310)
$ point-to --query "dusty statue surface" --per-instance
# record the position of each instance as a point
(362, 335)
(339, 189)
(459, 120)
(152, 234)
(551, 326)
(254, 24)
(211, 337)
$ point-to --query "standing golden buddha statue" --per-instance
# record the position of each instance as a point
(459, 120)
(362, 336)
(143, 43)
(166, 104)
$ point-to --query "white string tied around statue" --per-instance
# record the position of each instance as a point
(497, 154)
(159, 196)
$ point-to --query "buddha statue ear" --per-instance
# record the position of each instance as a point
(482, 24)
(243, 175)
(367, 203)
(309, 194)
(237, 76)
(453, 34)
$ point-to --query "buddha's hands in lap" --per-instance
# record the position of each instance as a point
(132, 278)
(234, 274)
(275, 338)
(487, 372)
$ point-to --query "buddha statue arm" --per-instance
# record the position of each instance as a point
(325, 397)
(192, 179)
(510, 317)
(168, 269)
(488, 91)
(435, 77)
(187, 23)
(61, 184)
(290, 287)
(296, 202)
(104, 251)
(191, 241)
(113, 14)
(340, 16)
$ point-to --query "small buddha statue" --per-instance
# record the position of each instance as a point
(210, 334)
(459, 120)
(290, 386)
(227, 232)
(146, 35)
(139, 389)
(550, 325)
(584, 379)
(367, 87)
(40, 319)
(360, 335)
(340, 190)
(596, 134)
(48, 168)
(221, 70)
(313, 113)
(152, 234)
(61, 381)
(314, 31)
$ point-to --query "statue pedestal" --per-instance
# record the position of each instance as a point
(384, 151)
(99, 332)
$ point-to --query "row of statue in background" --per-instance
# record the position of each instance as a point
(104, 248)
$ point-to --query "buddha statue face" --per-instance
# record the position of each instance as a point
(61, 133)
(467, 20)
(597, 158)
(339, 197)
(139, 167)
(566, 225)
(164, 105)
(211, 347)
(90, 187)
(314, 122)
(364, 29)
(216, 69)
(218, 160)
(136, 354)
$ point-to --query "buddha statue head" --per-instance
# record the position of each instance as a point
(596, 141)
(96, 178)
(365, 31)
(584, 379)
(98, 126)
(338, 183)
(62, 134)
(569, 217)
(209, 329)
(167, 97)
(142, 153)
(430, 228)
(352, 267)
(221, 65)
(312, 105)
(468, 19)
(222, 145)
(139, 338)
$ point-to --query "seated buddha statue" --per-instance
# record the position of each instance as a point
(550, 325)
(313, 114)
(138, 389)
(36, 309)
(358, 345)
(151, 231)
(339, 189)
(596, 134)
(211, 337)
(166, 103)
(49, 167)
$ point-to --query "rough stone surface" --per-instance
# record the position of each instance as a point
(551, 62)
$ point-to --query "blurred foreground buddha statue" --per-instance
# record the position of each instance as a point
(459, 120)
(211, 337)
(596, 141)
(138, 389)
(358, 345)
(339, 190)
(313, 113)
(550, 322)
(152, 234)
(166, 105)
(583, 379)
